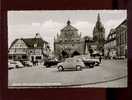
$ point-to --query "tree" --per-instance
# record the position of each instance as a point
(64, 54)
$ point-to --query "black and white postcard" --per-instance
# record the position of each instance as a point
(67, 48)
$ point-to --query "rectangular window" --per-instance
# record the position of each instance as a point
(24, 57)
(10, 57)
(38, 57)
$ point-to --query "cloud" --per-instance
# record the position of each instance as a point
(85, 27)
(50, 24)
(50, 28)
(47, 30)
(36, 24)
(112, 24)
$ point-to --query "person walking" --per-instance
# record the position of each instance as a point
(100, 58)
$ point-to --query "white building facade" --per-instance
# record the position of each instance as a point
(32, 49)
(110, 45)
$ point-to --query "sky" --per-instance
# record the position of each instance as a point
(25, 24)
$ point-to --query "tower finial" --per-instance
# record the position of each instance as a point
(68, 22)
(37, 35)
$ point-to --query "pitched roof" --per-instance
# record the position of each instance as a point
(13, 43)
(69, 27)
(31, 41)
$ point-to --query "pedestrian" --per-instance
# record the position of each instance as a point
(100, 58)
(33, 63)
(37, 62)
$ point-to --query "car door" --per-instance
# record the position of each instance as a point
(70, 63)
(67, 63)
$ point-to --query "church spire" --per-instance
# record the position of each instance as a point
(98, 18)
(99, 23)
(98, 29)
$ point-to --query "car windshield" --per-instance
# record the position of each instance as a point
(12, 62)
(68, 60)
(78, 60)
(18, 62)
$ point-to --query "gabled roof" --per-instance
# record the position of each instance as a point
(69, 27)
(13, 43)
(31, 41)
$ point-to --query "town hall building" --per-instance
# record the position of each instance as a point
(69, 42)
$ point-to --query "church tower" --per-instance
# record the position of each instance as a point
(99, 34)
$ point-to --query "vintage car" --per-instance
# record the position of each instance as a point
(87, 60)
(71, 63)
(11, 64)
(51, 62)
(27, 63)
(97, 63)
(119, 57)
(14, 64)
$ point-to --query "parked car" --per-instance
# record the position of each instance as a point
(27, 63)
(87, 61)
(11, 64)
(119, 57)
(51, 62)
(14, 64)
(97, 63)
(71, 63)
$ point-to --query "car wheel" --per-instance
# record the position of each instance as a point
(17, 66)
(78, 68)
(97, 64)
(91, 66)
(60, 68)
(47, 66)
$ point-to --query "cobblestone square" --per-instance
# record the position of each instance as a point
(111, 73)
